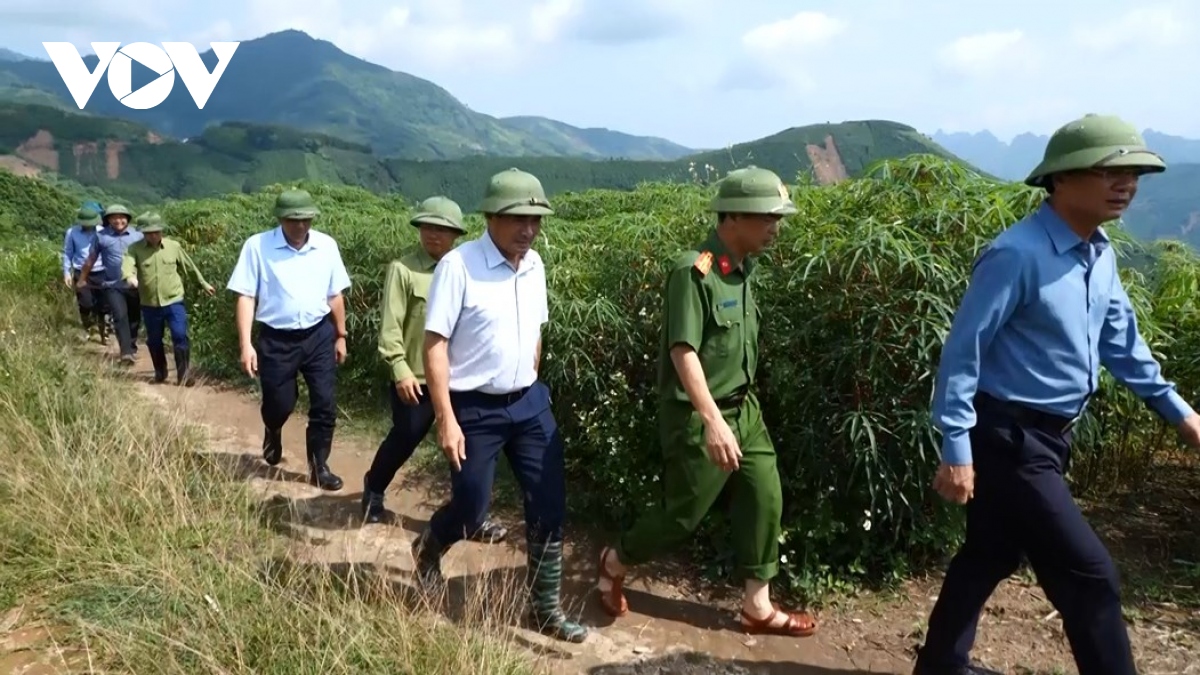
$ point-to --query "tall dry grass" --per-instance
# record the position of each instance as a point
(119, 528)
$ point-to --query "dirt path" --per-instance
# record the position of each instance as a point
(676, 625)
(327, 526)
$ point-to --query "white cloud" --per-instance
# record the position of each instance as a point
(1156, 27)
(799, 32)
(550, 19)
(612, 22)
(437, 34)
(991, 53)
(778, 54)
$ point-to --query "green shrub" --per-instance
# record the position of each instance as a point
(856, 295)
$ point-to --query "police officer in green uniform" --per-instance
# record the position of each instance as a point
(710, 423)
(401, 341)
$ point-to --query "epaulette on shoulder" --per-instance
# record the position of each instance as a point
(703, 262)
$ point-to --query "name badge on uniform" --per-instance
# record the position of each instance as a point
(730, 303)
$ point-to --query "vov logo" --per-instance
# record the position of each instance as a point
(179, 57)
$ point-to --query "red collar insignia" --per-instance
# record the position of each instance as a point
(725, 265)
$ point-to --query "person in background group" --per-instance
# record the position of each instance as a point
(108, 248)
(487, 305)
(291, 279)
(155, 266)
(710, 423)
(77, 245)
(1045, 309)
(401, 340)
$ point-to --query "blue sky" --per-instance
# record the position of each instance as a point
(707, 73)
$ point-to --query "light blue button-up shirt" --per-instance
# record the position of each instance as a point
(1035, 326)
(77, 244)
(492, 315)
(293, 286)
(109, 248)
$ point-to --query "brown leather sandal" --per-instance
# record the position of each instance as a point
(798, 624)
(613, 601)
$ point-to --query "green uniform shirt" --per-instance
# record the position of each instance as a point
(402, 320)
(709, 307)
(159, 271)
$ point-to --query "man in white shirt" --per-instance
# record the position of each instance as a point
(291, 279)
(487, 304)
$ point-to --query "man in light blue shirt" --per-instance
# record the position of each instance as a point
(290, 280)
(77, 245)
(107, 252)
(483, 321)
(1045, 309)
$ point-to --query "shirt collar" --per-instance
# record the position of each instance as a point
(422, 260)
(494, 258)
(280, 241)
(721, 252)
(1061, 234)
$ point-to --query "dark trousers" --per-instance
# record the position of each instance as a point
(126, 308)
(523, 427)
(1022, 506)
(410, 424)
(91, 304)
(309, 352)
(172, 317)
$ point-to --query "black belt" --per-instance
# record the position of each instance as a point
(487, 399)
(294, 333)
(735, 399)
(1024, 415)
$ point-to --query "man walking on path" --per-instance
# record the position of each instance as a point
(108, 249)
(155, 266)
(291, 279)
(77, 245)
(710, 424)
(487, 305)
(401, 341)
(1045, 309)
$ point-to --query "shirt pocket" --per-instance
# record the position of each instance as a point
(727, 328)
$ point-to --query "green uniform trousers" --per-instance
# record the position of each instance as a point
(692, 483)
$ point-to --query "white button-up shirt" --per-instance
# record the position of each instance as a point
(293, 286)
(491, 314)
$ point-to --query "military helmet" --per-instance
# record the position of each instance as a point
(87, 217)
(296, 205)
(752, 190)
(514, 192)
(117, 210)
(441, 211)
(149, 222)
(1095, 141)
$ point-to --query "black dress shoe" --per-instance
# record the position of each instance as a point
(372, 504)
(320, 476)
(272, 447)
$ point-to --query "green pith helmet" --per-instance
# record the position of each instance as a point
(87, 217)
(117, 210)
(1095, 141)
(752, 190)
(441, 211)
(149, 222)
(296, 205)
(515, 193)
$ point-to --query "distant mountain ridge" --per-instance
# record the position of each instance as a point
(1016, 159)
(125, 157)
(317, 87)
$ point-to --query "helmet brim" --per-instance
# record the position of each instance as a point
(426, 218)
(1097, 158)
(297, 214)
(757, 205)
